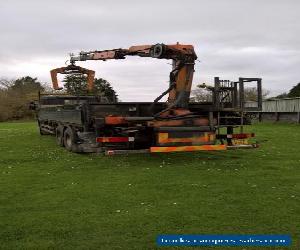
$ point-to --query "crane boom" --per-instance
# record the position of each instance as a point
(181, 76)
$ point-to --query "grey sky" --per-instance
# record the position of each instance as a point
(250, 38)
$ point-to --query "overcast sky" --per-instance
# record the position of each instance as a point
(232, 38)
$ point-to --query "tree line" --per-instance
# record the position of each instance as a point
(294, 92)
(15, 95)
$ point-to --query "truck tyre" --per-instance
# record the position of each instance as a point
(70, 140)
(42, 132)
(60, 135)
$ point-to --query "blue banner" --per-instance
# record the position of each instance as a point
(223, 240)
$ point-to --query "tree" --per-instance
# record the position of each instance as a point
(77, 85)
(15, 96)
(5, 107)
(201, 95)
(27, 84)
(295, 91)
(103, 87)
(283, 95)
(5, 84)
(250, 94)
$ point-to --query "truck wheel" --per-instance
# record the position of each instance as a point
(42, 132)
(70, 140)
(60, 135)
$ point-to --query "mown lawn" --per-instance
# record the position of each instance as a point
(53, 199)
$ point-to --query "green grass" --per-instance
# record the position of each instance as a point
(53, 199)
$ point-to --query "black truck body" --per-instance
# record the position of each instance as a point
(91, 124)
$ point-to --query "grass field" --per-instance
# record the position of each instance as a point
(53, 199)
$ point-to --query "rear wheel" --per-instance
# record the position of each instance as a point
(70, 140)
(42, 132)
(60, 135)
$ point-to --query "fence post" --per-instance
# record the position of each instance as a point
(276, 116)
(259, 117)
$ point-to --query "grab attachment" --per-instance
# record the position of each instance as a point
(72, 69)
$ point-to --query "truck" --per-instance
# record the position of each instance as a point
(91, 123)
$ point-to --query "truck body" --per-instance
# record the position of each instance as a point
(92, 124)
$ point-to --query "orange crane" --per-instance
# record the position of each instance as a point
(181, 77)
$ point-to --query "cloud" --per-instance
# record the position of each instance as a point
(232, 38)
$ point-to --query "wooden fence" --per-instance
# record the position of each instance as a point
(287, 109)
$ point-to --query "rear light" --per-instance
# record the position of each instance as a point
(243, 136)
(114, 139)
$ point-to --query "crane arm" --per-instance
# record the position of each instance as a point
(161, 51)
(181, 76)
